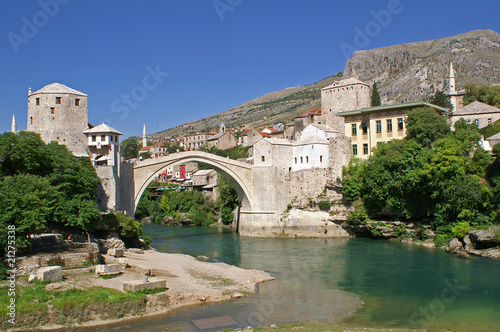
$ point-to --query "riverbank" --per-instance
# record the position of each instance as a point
(189, 281)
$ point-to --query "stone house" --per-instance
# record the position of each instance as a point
(301, 121)
(205, 181)
(476, 112)
(370, 126)
(222, 141)
(248, 137)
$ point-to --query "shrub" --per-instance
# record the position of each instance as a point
(460, 229)
(358, 215)
(324, 205)
(442, 240)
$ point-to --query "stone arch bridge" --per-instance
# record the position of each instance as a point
(261, 201)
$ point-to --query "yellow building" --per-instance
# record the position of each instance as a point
(368, 127)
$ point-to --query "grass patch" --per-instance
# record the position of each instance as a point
(110, 276)
(221, 282)
(68, 307)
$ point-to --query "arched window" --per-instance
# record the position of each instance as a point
(489, 120)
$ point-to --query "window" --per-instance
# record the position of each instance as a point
(379, 126)
(476, 121)
(38, 101)
(58, 100)
(31, 120)
(320, 159)
(93, 138)
(365, 148)
(355, 150)
(295, 159)
(263, 158)
(52, 110)
(389, 125)
(77, 102)
(354, 129)
(103, 138)
(364, 125)
(301, 160)
(489, 121)
(307, 159)
(400, 124)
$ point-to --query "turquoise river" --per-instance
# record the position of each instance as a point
(349, 282)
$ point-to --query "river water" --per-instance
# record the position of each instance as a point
(350, 282)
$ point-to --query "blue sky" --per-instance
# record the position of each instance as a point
(202, 56)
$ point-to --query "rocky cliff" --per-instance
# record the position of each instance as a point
(409, 72)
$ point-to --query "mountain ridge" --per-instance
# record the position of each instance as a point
(404, 73)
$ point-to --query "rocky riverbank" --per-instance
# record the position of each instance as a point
(189, 281)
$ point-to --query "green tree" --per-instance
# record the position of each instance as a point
(227, 201)
(426, 126)
(27, 202)
(130, 147)
(441, 99)
(489, 94)
(174, 148)
(375, 95)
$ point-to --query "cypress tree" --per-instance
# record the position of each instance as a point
(375, 95)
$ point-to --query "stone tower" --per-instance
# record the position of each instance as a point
(456, 97)
(341, 96)
(13, 127)
(144, 137)
(222, 128)
(59, 113)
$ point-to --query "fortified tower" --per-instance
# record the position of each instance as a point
(345, 95)
(59, 113)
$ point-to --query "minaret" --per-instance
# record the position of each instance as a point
(13, 127)
(453, 87)
(144, 137)
(456, 97)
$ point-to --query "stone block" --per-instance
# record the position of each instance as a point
(123, 261)
(108, 269)
(52, 273)
(143, 270)
(137, 285)
(116, 252)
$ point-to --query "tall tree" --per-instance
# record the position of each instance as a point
(375, 95)
(441, 99)
(130, 147)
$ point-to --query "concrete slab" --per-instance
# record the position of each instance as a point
(115, 252)
(108, 269)
(137, 285)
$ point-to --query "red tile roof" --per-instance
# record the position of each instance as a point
(265, 134)
(309, 113)
(246, 131)
(146, 148)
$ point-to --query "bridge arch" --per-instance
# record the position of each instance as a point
(238, 173)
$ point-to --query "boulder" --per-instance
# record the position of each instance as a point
(116, 252)
(484, 239)
(52, 273)
(123, 261)
(492, 253)
(454, 244)
(108, 269)
(462, 253)
(112, 242)
(468, 243)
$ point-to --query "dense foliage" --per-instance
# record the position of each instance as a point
(429, 175)
(488, 94)
(441, 99)
(130, 147)
(44, 183)
(235, 152)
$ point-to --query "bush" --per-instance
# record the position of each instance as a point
(358, 215)
(442, 240)
(460, 229)
(324, 205)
